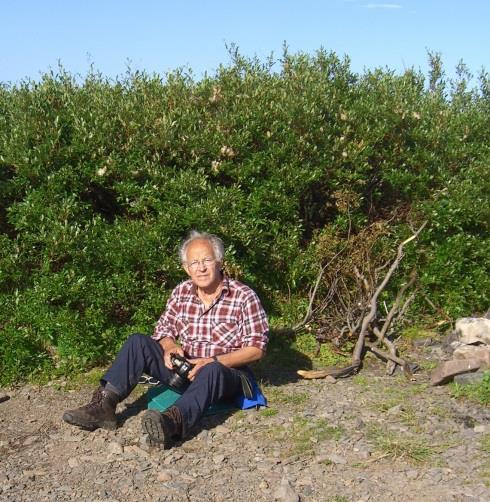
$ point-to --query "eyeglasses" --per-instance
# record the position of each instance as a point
(148, 380)
(207, 262)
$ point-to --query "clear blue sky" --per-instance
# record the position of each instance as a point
(158, 36)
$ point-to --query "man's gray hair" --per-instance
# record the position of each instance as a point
(214, 240)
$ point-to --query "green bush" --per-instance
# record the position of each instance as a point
(101, 179)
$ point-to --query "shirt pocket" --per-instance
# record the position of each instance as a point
(183, 327)
(226, 334)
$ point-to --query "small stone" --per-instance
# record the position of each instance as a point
(336, 459)
(330, 379)
(332, 458)
(395, 410)
(364, 454)
(480, 428)
(4, 397)
(263, 485)
(72, 438)
(73, 462)
(221, 429)
(359, 423)
(218, 459)
(29, 440)
(164, 476)
(412, 474)
(285, 493)
(115, 448)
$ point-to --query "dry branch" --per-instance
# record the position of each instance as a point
(367, 321)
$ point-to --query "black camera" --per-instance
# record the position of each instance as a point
(181, 366)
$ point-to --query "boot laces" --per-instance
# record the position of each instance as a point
(97, 399)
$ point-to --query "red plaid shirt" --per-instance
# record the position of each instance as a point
(235, 319)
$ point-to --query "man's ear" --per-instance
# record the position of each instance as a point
(186, 268)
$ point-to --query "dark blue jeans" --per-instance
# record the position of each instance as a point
(141, 354)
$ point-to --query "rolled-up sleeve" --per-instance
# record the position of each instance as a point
(255, 327)
(165, 327)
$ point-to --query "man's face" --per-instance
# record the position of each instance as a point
(201, 264)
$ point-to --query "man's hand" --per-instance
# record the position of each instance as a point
(198, 364)
(170, 347)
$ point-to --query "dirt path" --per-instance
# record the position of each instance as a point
(371, 437)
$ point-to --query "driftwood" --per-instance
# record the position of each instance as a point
(363, 320)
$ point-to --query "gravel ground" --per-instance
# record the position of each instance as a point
(366, 438)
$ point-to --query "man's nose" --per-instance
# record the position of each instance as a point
(202, 265)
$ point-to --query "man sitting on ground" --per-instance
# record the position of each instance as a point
(221, 327)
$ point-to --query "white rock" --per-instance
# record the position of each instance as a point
(473, 330)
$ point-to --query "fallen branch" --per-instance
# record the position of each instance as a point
(368, 321)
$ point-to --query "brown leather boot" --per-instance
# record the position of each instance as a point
(162, 428)
(100, 412)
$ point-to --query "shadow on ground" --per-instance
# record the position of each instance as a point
(282, 361)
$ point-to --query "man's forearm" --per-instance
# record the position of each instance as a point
(241, 357)
(167, 343)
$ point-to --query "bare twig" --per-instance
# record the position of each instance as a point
(356, 356)
(396, 304)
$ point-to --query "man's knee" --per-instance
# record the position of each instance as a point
(138, 340)
(212, 370)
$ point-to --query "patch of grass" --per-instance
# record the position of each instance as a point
(306, 344)
(393, 445)
(479, 392)
(484, 469)
(361, 380)
(269, 412)
(485, 443)
(276, 395)
(428, 364)
(302, 433)
(417, 333)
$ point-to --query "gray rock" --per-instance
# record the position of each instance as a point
(395, 410)
(285, 493)
(359, 423)
(469, 378)
(363, 453)
(336, 459)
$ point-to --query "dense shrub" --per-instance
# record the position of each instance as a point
(100, 179)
